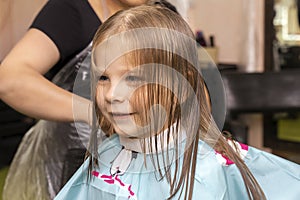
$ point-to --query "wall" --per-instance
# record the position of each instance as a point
(15, 17)
(238, 27)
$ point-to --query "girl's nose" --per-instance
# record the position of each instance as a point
(116, 93)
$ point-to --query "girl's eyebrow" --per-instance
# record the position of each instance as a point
(132, 72)
(99, 72)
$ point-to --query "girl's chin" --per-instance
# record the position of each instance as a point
(132, 133)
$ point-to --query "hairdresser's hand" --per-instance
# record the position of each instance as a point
(22, 85)
(82, 109)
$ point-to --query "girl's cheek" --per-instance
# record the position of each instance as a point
(99, 98)
(139, 99)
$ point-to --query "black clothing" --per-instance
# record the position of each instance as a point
(70, 24)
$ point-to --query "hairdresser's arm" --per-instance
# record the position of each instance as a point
(23, 87)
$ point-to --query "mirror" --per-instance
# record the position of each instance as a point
(282, 35)
(286, 22)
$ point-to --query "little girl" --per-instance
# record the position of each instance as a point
(162, 142)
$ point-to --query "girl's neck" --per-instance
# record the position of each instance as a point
(134, 144)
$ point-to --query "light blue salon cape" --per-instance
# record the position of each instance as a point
(279, 178)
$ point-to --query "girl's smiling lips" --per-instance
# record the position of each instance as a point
(120, 115)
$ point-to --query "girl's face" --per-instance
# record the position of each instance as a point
(116, 85)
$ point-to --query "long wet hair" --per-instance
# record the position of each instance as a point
(162, 42)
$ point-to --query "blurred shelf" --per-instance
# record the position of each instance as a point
(266, 93)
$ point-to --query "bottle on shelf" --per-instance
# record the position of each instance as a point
(200, 38)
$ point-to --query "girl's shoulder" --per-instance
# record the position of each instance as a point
(216, 177)
(219, 174)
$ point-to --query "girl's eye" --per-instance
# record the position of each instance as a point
(132, 78)
(103, 78)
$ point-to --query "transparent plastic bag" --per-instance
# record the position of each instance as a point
(50, 152)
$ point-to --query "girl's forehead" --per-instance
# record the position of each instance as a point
(163, 39)
(123, 63)
(106, 55)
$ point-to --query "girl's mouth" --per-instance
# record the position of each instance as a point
(121, 115)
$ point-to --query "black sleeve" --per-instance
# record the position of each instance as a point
(61, 21)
